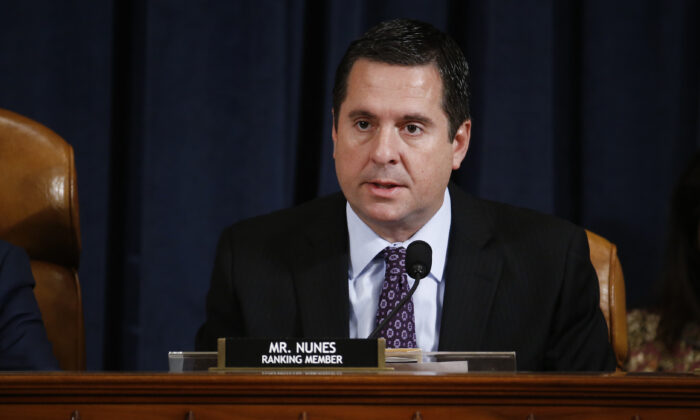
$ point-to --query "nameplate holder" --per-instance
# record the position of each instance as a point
(296, 353)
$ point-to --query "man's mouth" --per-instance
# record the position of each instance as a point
(384, 185)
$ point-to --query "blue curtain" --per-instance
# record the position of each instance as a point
(188, 116)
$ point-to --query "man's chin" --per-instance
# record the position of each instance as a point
(382, 214)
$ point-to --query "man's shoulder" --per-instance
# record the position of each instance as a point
(321, 213)
(524, 218)
(14, 270)
(10, 252)
(5, 248)
(515, 224)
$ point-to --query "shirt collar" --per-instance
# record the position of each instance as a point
(365, 244)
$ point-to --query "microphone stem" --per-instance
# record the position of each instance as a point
(402, 302)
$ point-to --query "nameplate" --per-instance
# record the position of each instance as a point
(293, 353)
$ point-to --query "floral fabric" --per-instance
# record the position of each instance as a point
(648, 354)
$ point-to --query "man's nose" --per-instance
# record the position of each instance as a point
(385, 147)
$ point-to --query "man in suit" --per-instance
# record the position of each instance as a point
(23, 342)
(502, 278)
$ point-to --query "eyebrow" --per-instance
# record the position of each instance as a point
(418, 117)
(361, 113)
(407, 117)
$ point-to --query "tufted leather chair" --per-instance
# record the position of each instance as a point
(612, 293)
(39, 212)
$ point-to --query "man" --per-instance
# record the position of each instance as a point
(502, 278)
(23, 342)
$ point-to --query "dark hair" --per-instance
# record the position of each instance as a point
(680, 289)
(408, 42)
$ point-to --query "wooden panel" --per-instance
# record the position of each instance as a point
(348, 396)
(340, 412)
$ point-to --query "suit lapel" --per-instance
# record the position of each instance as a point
(321, 273)
(472, 274)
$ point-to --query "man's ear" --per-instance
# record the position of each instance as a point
(334, 131)
(460, 143)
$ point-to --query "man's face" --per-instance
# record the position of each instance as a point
(393, 157)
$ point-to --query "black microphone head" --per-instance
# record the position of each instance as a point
(419, 259)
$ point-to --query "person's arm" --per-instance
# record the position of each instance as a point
(23, 341)
(579, 336)
(223, 316)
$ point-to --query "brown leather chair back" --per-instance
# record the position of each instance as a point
(39, 212)
(612, 293)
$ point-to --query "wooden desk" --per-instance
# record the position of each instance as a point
(346, 396)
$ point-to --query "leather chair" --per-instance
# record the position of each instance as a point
(612, 293)
(39, 213)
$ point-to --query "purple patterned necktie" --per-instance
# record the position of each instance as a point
(400, 332)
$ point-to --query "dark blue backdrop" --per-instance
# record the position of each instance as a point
(187, 116)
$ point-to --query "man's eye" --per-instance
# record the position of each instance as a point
(413, 129)
(363, 125)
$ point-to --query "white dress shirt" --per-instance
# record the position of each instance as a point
(366, 275)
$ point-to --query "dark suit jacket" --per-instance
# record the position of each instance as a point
(23, 342)
(515, 280)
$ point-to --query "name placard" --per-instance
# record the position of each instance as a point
(340, 353)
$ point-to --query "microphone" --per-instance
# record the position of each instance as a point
(419, 259)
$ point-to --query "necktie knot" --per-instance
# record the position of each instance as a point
(394, 253)
(395, 260)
